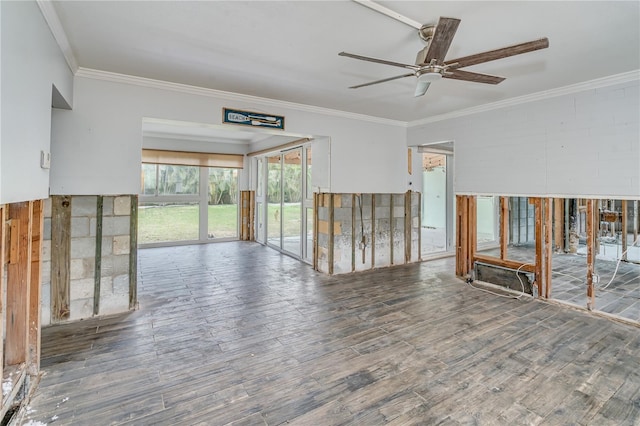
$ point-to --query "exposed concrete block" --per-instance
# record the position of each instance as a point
(46, 207)
(107, 246)
(346, 200)
(81, 308)
(121, 284)
(383, 200)
(46, 250)
(46, 271)
(107, 206)
(323, 213)
(343, 214)
(115, 225)
(398, 211)
(79, 226)
(121, 244)
(106, 286)
(122, 205)
(337, 201)
(323, 227)
(114, 303)
(45, 304)
(398, 200)
(115, 265)
(382, 212)
(46, 229)
(82, 289)
(83, 205)
(83, 248)
(82, 268)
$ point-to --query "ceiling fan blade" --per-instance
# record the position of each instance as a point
(505, 52)
(442, 37)
(421, 88)
(378, 61)
(473, 76)
(382, 81)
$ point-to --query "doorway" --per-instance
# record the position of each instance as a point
(438, 208)
(284, 202)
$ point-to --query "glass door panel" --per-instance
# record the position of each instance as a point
(292, 202)
(434, 203)
(274, 199)
(222, 203)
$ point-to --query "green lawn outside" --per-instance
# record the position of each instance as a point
(180, 223)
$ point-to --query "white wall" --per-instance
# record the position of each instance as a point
(31, 63)
(96, 147)
(581, 144)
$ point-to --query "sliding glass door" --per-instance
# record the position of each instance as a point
(284, 179)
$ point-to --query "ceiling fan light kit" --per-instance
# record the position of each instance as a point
(430, 63)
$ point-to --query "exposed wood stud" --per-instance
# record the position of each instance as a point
(353, 232)
(331, 235)
(407, 227)
(505, 263)
(558, 224)
(60, 256)
(3, 245)
(98, 269)
(463, 260)
(504, 226)
(373, 231)
(133, 253)
(316, 196)
(33, 365)
(420, 228)
(591, 231)
(391, 227)
(624, 230)
(18, 285)
(548, 248)
(473, 227)
(537, 202)
(252, 216)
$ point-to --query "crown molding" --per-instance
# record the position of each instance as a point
(220, 94)
(560, 91)
(52, 20)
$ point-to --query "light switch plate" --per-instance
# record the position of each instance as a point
(45, 159)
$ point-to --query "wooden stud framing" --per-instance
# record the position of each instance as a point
(548, 241)
(18, 284)
(539, 243)
(636, 221)
(252, 216)
(3, 245)
(591, 231)
(331, 236)
(391, 228)
(373, 231)
(316, 197)
(37, 222)
(505, 263)
(624, 230)
(462, 236)
(353, 232)
(407, 227)
(558, 223)
(133, 253)
(97, 277)
(504, 226)
(420, 227)
(473, 227)
(60, 256)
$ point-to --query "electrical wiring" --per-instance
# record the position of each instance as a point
(618, 263)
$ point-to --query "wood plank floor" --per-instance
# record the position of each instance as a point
(235, 333)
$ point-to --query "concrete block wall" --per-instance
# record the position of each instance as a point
(368, 231)
(114, 259)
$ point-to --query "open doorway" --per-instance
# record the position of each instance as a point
(438, 209)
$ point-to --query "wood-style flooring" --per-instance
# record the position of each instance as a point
(236, 333)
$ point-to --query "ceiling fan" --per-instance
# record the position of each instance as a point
(430, 63)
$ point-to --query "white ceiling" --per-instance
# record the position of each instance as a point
(288, 50)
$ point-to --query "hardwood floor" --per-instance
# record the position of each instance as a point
(235, 333)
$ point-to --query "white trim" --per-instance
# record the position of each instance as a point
(220, 94)
(546, 94)
(52, 20)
